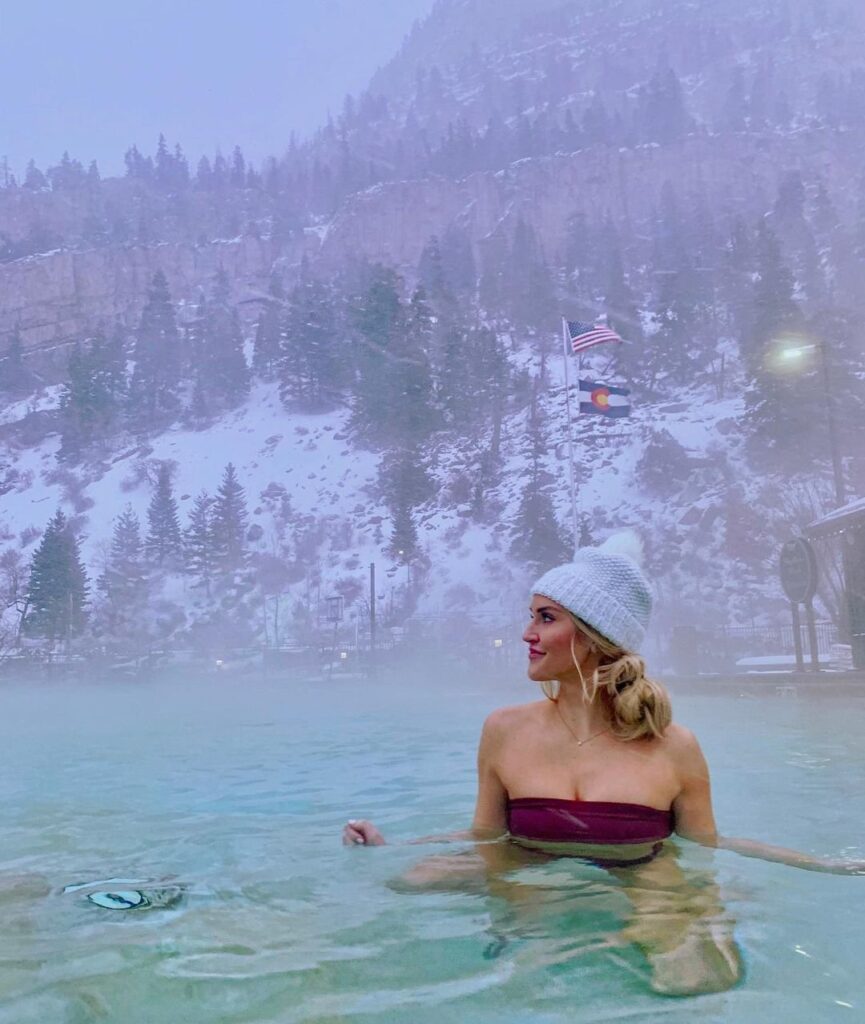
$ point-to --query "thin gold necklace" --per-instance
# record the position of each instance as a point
(588, 739)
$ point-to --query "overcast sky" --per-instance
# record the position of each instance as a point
(95, 76)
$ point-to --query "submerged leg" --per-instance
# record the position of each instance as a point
(464, 870)
(680, 924)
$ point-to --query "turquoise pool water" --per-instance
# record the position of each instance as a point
(236, 792)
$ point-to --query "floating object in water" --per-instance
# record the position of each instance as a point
(158, 897)
(139, 899)
(130, 900)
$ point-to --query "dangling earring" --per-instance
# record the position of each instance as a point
(551, 688)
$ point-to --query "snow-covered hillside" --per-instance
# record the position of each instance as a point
(688, 171)
(300, 469)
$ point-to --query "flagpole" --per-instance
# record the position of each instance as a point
(566, 354)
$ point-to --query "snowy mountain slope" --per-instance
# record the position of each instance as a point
(677, 470)
(463, 563)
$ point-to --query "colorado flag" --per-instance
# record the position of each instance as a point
(604, 399)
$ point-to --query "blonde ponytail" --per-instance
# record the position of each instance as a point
(640, 707)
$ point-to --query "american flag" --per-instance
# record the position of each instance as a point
(584, 336)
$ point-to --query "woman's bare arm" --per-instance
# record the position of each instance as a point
(695, 819)
(469, 868)
(490, 818)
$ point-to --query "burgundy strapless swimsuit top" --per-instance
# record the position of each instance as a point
(590, 823)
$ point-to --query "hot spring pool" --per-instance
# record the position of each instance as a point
(236, 792)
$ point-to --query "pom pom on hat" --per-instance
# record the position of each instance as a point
(605, 588)
(625, 542)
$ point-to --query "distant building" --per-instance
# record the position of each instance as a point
(847, 523)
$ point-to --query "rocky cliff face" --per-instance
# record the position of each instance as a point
(514, 60)
(393, 222)
(61, 295)
(57, 296)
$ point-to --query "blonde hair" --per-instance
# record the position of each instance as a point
(640, 706)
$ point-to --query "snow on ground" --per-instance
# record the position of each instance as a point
(306, 454)
(326, 477)
(48, 398)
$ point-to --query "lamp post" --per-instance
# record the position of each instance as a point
(791, 356)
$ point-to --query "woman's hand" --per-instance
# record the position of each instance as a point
(361, 833)
(845, 867)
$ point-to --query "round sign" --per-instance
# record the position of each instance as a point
(798, 567)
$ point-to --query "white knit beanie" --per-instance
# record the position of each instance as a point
(605, 588)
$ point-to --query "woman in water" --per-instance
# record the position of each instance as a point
(599, 770)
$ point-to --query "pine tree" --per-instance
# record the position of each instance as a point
(584, 272)
(312, 362)
(404, 540)
(125, 582)
(34, 179)
(75, 408)
(485, 388)
(454, 385)
(538, 540)
(773, 310)
(736, 276)
(229, 523)
(494, 280)
(380, 319)
(126, 577)
(194, 348)
(664, 466)
(204, 175)
(405, 483)
(673, 355)
(238, 168)
(153, 389)
(164, 164)
(57, 592)
(163, 544)
(623, 316)
(221, 366)
(69, 174)
(268, 332)
(220, 172)
(198, 543)
(430, 272)
(412, 415)
(91, 399)
(783, 399)
(661, 113)
(138, 166)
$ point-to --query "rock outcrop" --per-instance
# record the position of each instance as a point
(58, 296)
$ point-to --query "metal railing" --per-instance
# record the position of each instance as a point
(693, 650)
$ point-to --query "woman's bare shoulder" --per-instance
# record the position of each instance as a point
(682, 745)
(514, 715)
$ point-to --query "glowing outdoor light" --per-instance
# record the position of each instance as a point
(793, 353)
(343, 655)
(497, 643)
(790, 354)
